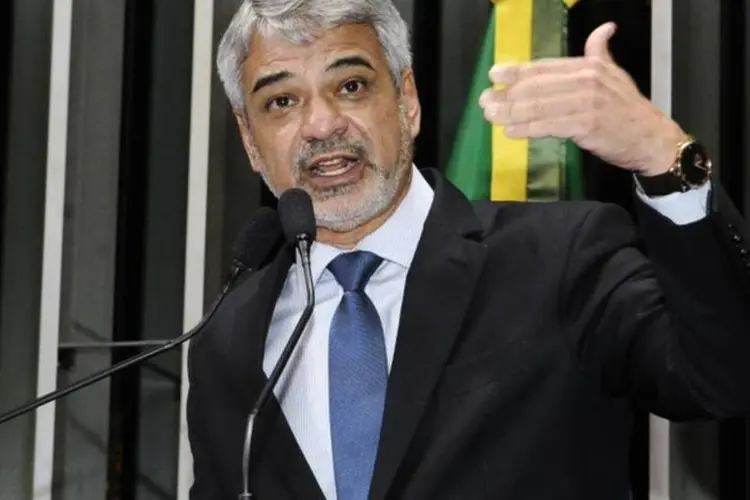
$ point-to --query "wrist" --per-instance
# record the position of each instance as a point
(665, 152)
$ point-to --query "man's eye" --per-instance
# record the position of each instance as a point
(280, 102)
(353, 86)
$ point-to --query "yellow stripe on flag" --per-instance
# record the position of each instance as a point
(513, 43)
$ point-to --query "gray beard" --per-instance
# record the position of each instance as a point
(378, 192)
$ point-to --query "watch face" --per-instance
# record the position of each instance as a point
(696, 167)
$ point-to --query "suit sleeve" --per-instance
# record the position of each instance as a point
(671, 331)
(205, 482)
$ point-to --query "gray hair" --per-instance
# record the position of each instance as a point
(300, 21)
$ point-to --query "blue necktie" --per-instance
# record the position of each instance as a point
(357, 376)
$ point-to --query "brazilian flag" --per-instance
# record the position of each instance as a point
(485, 163)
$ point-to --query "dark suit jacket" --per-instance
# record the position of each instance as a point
(528, 334)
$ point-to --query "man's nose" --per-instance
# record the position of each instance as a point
(323, 119)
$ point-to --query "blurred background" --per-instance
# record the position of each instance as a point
(123, 183)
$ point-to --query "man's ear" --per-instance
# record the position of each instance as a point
(410, 98)
(244, 128)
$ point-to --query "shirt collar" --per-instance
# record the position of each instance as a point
(396, 240)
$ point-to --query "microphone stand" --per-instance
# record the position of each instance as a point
(303, 246)
(236, 271)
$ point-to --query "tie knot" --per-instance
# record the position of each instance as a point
(353, 270)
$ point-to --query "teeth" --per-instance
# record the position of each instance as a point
(332, 163)
(332, 173)
(332, 168)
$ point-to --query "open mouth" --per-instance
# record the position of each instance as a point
(333, 165)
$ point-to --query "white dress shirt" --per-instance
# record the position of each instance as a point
(303, 388)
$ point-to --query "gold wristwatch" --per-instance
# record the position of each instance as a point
(691, 169)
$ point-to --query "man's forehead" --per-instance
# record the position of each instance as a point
(267, 52)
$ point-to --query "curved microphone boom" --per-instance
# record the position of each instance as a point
(250, 250)
(298, 222)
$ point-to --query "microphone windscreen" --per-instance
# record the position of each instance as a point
(256, 240)
(297, 215)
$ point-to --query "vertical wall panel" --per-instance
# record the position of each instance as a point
(165, 131)
(6, 43)
(661, 95)
(234, 190)
(746, 153)
(131, 194)
(25, 76)
(733, 452)
(195, 244)
(49, 322)
(88, 299)
(696, 101)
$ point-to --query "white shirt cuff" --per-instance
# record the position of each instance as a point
(681, 208)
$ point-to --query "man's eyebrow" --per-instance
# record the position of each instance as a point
(342, 62)
(267, 80)
(345, 62)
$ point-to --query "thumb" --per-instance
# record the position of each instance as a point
(597, 44)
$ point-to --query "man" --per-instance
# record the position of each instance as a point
(459, 350)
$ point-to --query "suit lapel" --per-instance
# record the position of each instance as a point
(443, 273)
(274, 447)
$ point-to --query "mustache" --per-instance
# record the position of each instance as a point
(320, 147)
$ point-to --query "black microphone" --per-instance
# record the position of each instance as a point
(298, 221)
(251, 248)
